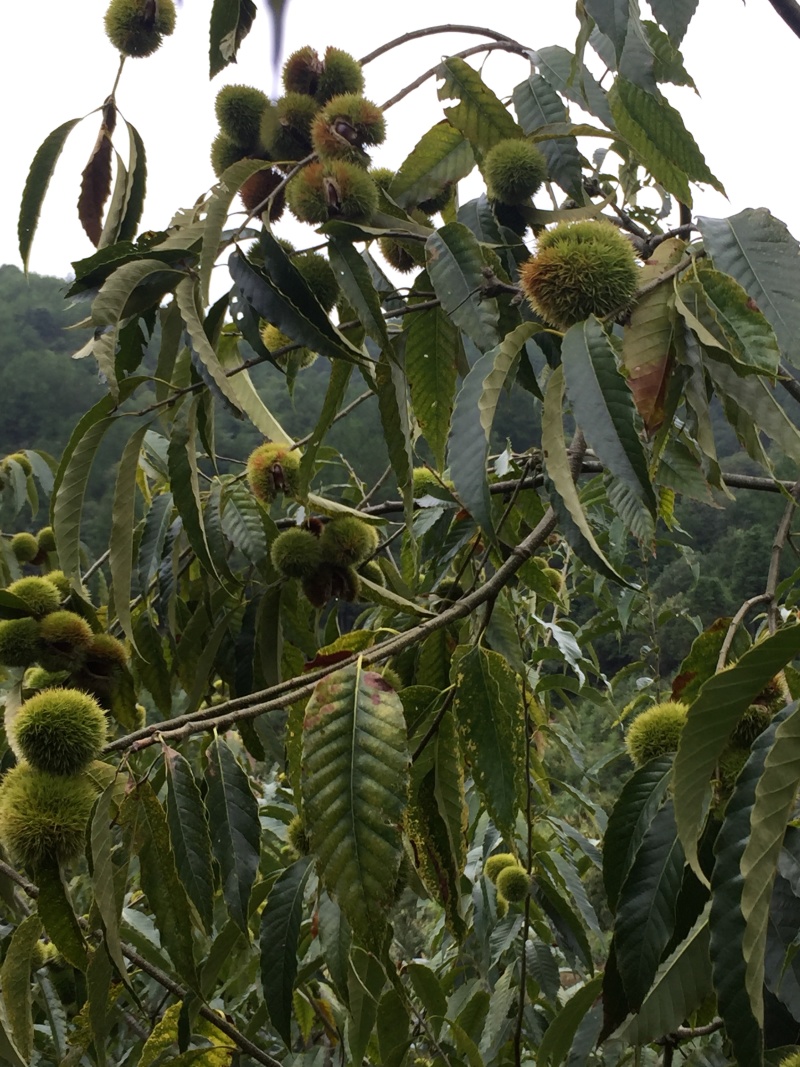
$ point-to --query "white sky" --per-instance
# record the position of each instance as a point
(743, 58)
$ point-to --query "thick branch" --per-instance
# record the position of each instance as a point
(789, 11)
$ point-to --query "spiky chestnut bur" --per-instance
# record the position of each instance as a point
(336, 190)
(274, 340)
(136, 28)
(239, 109)
(65, 640)
(580, 269)
(774, 695)
(286, 134)
(330, 582)
(390, 675)
(439, 201)
(656, 731)
(424, 482)
(555, 578)
(19, 642)
(729, 767)
(449, 590)
(46, 539)
(22, 460)
(39, 595)
(25, 547)
(60, 730)
(297, 836)
(405, 255)
(513, 884)
(106, 655)
(38, 678)
(296, 553)
(259, 187)
(43, 816)
(383, 177)
(347, 541)
(224, 153)
(319, 277)
(497, 863)
(43, 953)
(341, 73)
(273, 469)
(60, 581)
(344, 126)
(301, 71)
(514, 171)
(792, 1060)
(371, 570)
(753, 722)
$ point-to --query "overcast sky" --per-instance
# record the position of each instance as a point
(59, 65)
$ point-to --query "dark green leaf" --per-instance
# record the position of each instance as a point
(189, 836)
(335, 938)
(559, 1035)
(235, 829)
(334, 398)
(712, 716)
(185, 483)
(480, 116)
(442, 155)
(366, 979)
(58, 917)
(355, 282)
(135, 187)
(488, 708)
(455, 267)
(230, 23)
(538, 104)
(123, 521)
(570, 77)
(103, 873)
(280, 930)
(630, 820)
(355, 766)
(674, 16)
(393, 407)
(36, 184)
(15, 977)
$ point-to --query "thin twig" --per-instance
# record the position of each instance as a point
(789, 11)
(430, 31)
(781, 535)
(506, 46)
(734, 625)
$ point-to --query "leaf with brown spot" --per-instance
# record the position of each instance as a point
(96, 177)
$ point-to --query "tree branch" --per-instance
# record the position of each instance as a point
(778, 545)
(429, 31)
(789, 11)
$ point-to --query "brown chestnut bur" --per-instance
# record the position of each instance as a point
(344, 126)
(301, 71)
(336, 190)
(330, 582)
(259, 187)
(273, 469)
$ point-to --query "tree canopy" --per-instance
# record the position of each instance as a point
(369, 745)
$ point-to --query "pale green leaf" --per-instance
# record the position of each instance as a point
(442, 155)
(123, 521)
(455, 267)
(15, 977)
(557, 1041)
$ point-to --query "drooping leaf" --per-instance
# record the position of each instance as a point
(537, 104)
(240, 387)
(103, 873)
(96, 177)
(480, 116)
(473, 416)
(123, 520)
(243, 523)
(569, 76)
(603, 407)
(752, 410)
(15, 977)
(774, 799)
(392, 389)
(558, 1037)
(758, 251)
(455, 267)
(442, 155)
(656, 133)
(392, 1028)
(556, 458)
(648, 339)
(611, 18)
(39, 175)
(646, 906)
(355, 282)
(674, 16)
(366, 979)
(336, 939)
(185, 482)
(135, 188)
(230, 23)
(143, 817)
(488, 709)
(235, 829)
(630, 819)
(727, 921)
(66, 501)
(189, 835)
(354, 776)
(682, 983)
(711, 718)
(334, 398)
(432, 351)
(58, 917)
(309, 327)
(280, 930)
